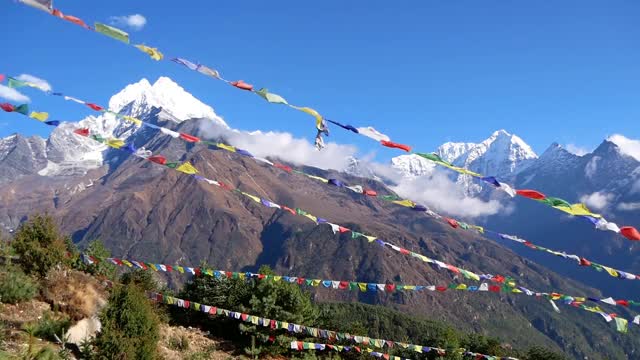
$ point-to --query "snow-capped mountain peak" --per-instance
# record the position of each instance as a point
(140, 98)
(502, 154)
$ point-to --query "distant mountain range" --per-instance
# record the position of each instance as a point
(146, 212)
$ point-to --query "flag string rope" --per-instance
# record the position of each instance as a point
(578, 209)
(297, 328)
(359, 189)
(388, 287)
(188, 169)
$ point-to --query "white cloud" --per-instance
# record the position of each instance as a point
(627, 146)
(597, 200)
(628, 206)
(284, 146)
(577, 150)
(592, 166)
(41, 83)
(436, 190)
(135, 21)
(443, 195)
(12, 94)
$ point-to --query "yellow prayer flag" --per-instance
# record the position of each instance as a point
(254, 198)
(370, 238)
(318, 178)
(461, 287)
(277, 278)
(40, 116)
(226, 147)
(313, 218)
(578, 210)
(313, 113)
(153, 52)
(517, 291)
(407, 203)
(187, 168)
(115, 143)
(133, 120)
(611, 271)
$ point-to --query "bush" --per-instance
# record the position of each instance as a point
(102, 268)
(129, 326)
(39, 245)
(141, 278)
(48, 327)
(15, 286)
(179, 343)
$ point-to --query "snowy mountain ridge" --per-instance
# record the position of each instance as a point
(66, 154)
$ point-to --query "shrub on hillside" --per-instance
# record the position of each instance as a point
(101, 268)
(39, 245)
(129, 326)
(75, 293)
(141, 278)
(15, 286)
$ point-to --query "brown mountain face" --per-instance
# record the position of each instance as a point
(147, 212)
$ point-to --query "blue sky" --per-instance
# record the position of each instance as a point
(423, 72)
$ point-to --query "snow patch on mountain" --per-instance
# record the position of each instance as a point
(139, 98)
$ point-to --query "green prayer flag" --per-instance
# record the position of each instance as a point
(432, 157)
(112, 32)
(621, 324)
(172, 165)
(15, 83)
(270, 97)
(22, 109)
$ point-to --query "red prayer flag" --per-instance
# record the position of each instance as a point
(630, 232)
(283, 167)
(169, 268)
(240, 84)
(385, 356)
(390, 287)
(198, 271)
(441, 288)
(494, 288)
(244, 317)
(343, 285)
(498, 278)
(95, 107)
(75, 20)
(229, 274)
(584, 262)
(187, 303)
(452, 222)
(370, 193)
(82, 132)
(189, 138)
(390, 144)
(404, 251)
(343, 229)
(158, 159)
(1, 77)
(57, 13)
(261, 276)
(7, 107)
(288, 209)
(622, 302)
(531, 194)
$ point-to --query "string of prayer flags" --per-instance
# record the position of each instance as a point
(300, 346)
(347, 285)
(301, 329)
